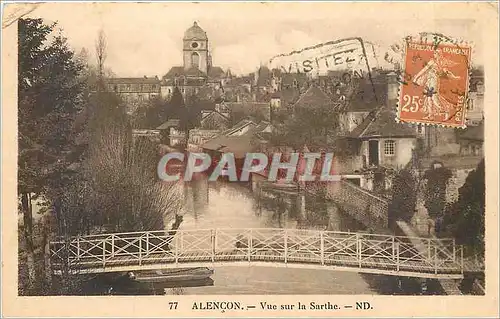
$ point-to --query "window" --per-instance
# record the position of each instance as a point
(389, 147)
(480, 88)
(470, 105)
(195, 60)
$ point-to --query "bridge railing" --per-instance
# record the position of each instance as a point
(394, 253)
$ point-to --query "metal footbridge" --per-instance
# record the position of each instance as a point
(340, 251)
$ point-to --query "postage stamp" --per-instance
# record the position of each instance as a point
(434, 88)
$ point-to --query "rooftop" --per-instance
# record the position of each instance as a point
(214, 72)
(366, 97)
(314, 96)
(239, 145)
(289, 96)
(382, 123)
(243, 109)
(473, 133)
(453, 162)
(168, 124)
(287, 79)
(195, 32)
(143, 80)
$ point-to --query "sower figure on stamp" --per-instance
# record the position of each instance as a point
(429, 78)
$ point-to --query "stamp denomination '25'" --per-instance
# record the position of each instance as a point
(435, 84)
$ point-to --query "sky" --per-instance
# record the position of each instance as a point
(146, 38)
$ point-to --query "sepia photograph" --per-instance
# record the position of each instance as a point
(209, 149)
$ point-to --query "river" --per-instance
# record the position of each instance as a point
(222, 204)
(232, 205)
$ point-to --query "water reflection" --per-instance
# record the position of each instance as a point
(233, 205)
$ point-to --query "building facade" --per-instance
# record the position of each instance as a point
(197, 72)
(135, 89)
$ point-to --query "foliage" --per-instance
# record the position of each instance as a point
(49, 100)
(313, 125)
(191, 117)
(90, 74)
(465, 217)
(176, 104)
(317, 206)
(255, 114)
(151, 114)
(118, 187)
(158, 110)
(435, 191)
(76, 151)
(279, 115)
(404, 198)
(49, 95)
(125, 192)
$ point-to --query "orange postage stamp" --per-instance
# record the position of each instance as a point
(435, 84)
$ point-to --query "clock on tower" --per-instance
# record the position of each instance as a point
(196, 49)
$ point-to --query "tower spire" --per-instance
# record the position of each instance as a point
(196, 49)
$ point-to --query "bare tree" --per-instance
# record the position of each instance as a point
(101, 53)
(125, 192)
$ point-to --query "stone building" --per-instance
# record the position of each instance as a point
(135, 89)
(471, 140)
(475, 105)
(197, 70)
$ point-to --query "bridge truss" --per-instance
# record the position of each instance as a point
(359, 252)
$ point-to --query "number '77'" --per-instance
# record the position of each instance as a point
(173, 305)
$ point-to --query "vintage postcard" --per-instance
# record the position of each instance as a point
(232, 159)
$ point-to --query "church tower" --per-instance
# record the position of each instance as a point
(195, 49)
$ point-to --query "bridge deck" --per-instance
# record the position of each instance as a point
(392, 255)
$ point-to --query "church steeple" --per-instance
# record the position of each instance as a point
(196, 53)
(195, 33)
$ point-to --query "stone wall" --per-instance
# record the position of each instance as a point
(421, 221)
(456, 181)
(361, 204)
